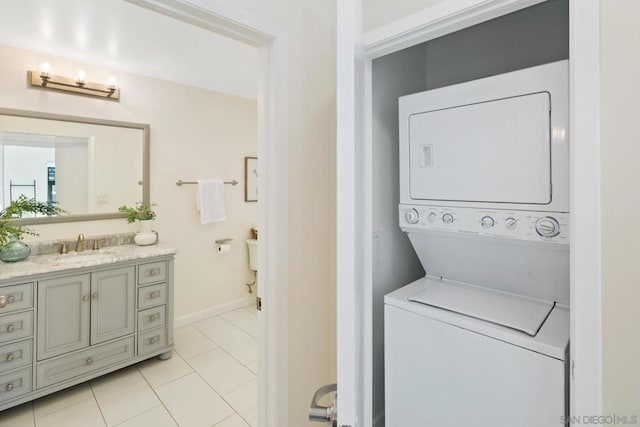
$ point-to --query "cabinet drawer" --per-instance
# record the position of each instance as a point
(83, 362)
(152, 272)
(153, 295)
(15, 355)
(151, 318)
(16, 297)
(15, 326)
(15, 384)
(152, 340)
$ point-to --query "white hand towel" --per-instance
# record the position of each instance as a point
(210, 201)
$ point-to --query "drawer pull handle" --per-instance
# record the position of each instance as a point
(95, 295)
(154, 340)
(89, 361)
(4, 300)
(9, 387)
(154, 317)
(11, 328)
(153, 272)
(154, 294)
(85, 297)
(10, 357)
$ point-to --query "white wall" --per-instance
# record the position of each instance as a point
(20, 172)
(620, 89)
(194, 134)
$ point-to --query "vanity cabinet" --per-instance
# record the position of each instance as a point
(72, 325)
(82, 310)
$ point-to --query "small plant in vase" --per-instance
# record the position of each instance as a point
(144, 214)
(12, 249)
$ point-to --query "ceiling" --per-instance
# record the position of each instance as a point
(124, 37)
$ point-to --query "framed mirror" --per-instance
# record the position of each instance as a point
(88, 166)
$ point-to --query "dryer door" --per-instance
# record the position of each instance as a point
(497, 151)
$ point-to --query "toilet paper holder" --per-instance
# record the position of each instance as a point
(223, 241)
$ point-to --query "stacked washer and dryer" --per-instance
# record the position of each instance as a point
(483, 339)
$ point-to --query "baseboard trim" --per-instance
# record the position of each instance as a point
(213, 311)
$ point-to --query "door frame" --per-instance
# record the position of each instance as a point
(586, 301)
(231, 21)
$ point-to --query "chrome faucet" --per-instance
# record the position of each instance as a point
(80, 243)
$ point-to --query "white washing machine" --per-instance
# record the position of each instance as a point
(483, 339)
(445, 369)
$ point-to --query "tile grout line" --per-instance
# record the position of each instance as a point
(158, 396)
(231, 391)
(97, 403)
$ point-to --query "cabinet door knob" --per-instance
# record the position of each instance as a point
(89, 361)
(10, 357)
(3, 301)
(11, 328)
(9, 387)
(154, 317)
(154, 294)
(11, 299)
(85, 297)
(95, 295)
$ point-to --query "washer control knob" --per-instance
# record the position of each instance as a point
(547, 227)
(447, 218)
(487, 221)
(432, 217)
(510, 223)
(411, 216)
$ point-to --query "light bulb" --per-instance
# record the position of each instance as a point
(81, 77)
(113, 82)
(45, 70)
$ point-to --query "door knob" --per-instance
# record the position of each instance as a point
(324, 414)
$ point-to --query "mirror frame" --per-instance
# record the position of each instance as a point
(145, 128)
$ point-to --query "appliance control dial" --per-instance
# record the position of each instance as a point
(432, 217)
(487, 221)
(547, 227)
(510, 223)
(411, 216)
(447, 218)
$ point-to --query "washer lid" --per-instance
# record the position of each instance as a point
(513, 311)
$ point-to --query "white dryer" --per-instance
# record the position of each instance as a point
(483, 339)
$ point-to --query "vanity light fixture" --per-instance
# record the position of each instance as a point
(45, 79)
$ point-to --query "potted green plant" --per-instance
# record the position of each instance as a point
(12, 249)
(144, 214)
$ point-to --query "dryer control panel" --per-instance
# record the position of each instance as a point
(548, 227)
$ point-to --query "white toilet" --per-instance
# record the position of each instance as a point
(253, 254)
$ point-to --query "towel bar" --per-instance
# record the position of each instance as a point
(180, 182)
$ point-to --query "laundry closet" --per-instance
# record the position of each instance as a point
(517, 245)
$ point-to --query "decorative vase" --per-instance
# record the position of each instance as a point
(15, 250)
(145, 236)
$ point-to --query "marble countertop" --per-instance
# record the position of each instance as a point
(42, 264)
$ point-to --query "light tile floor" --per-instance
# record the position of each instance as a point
(209, 381)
